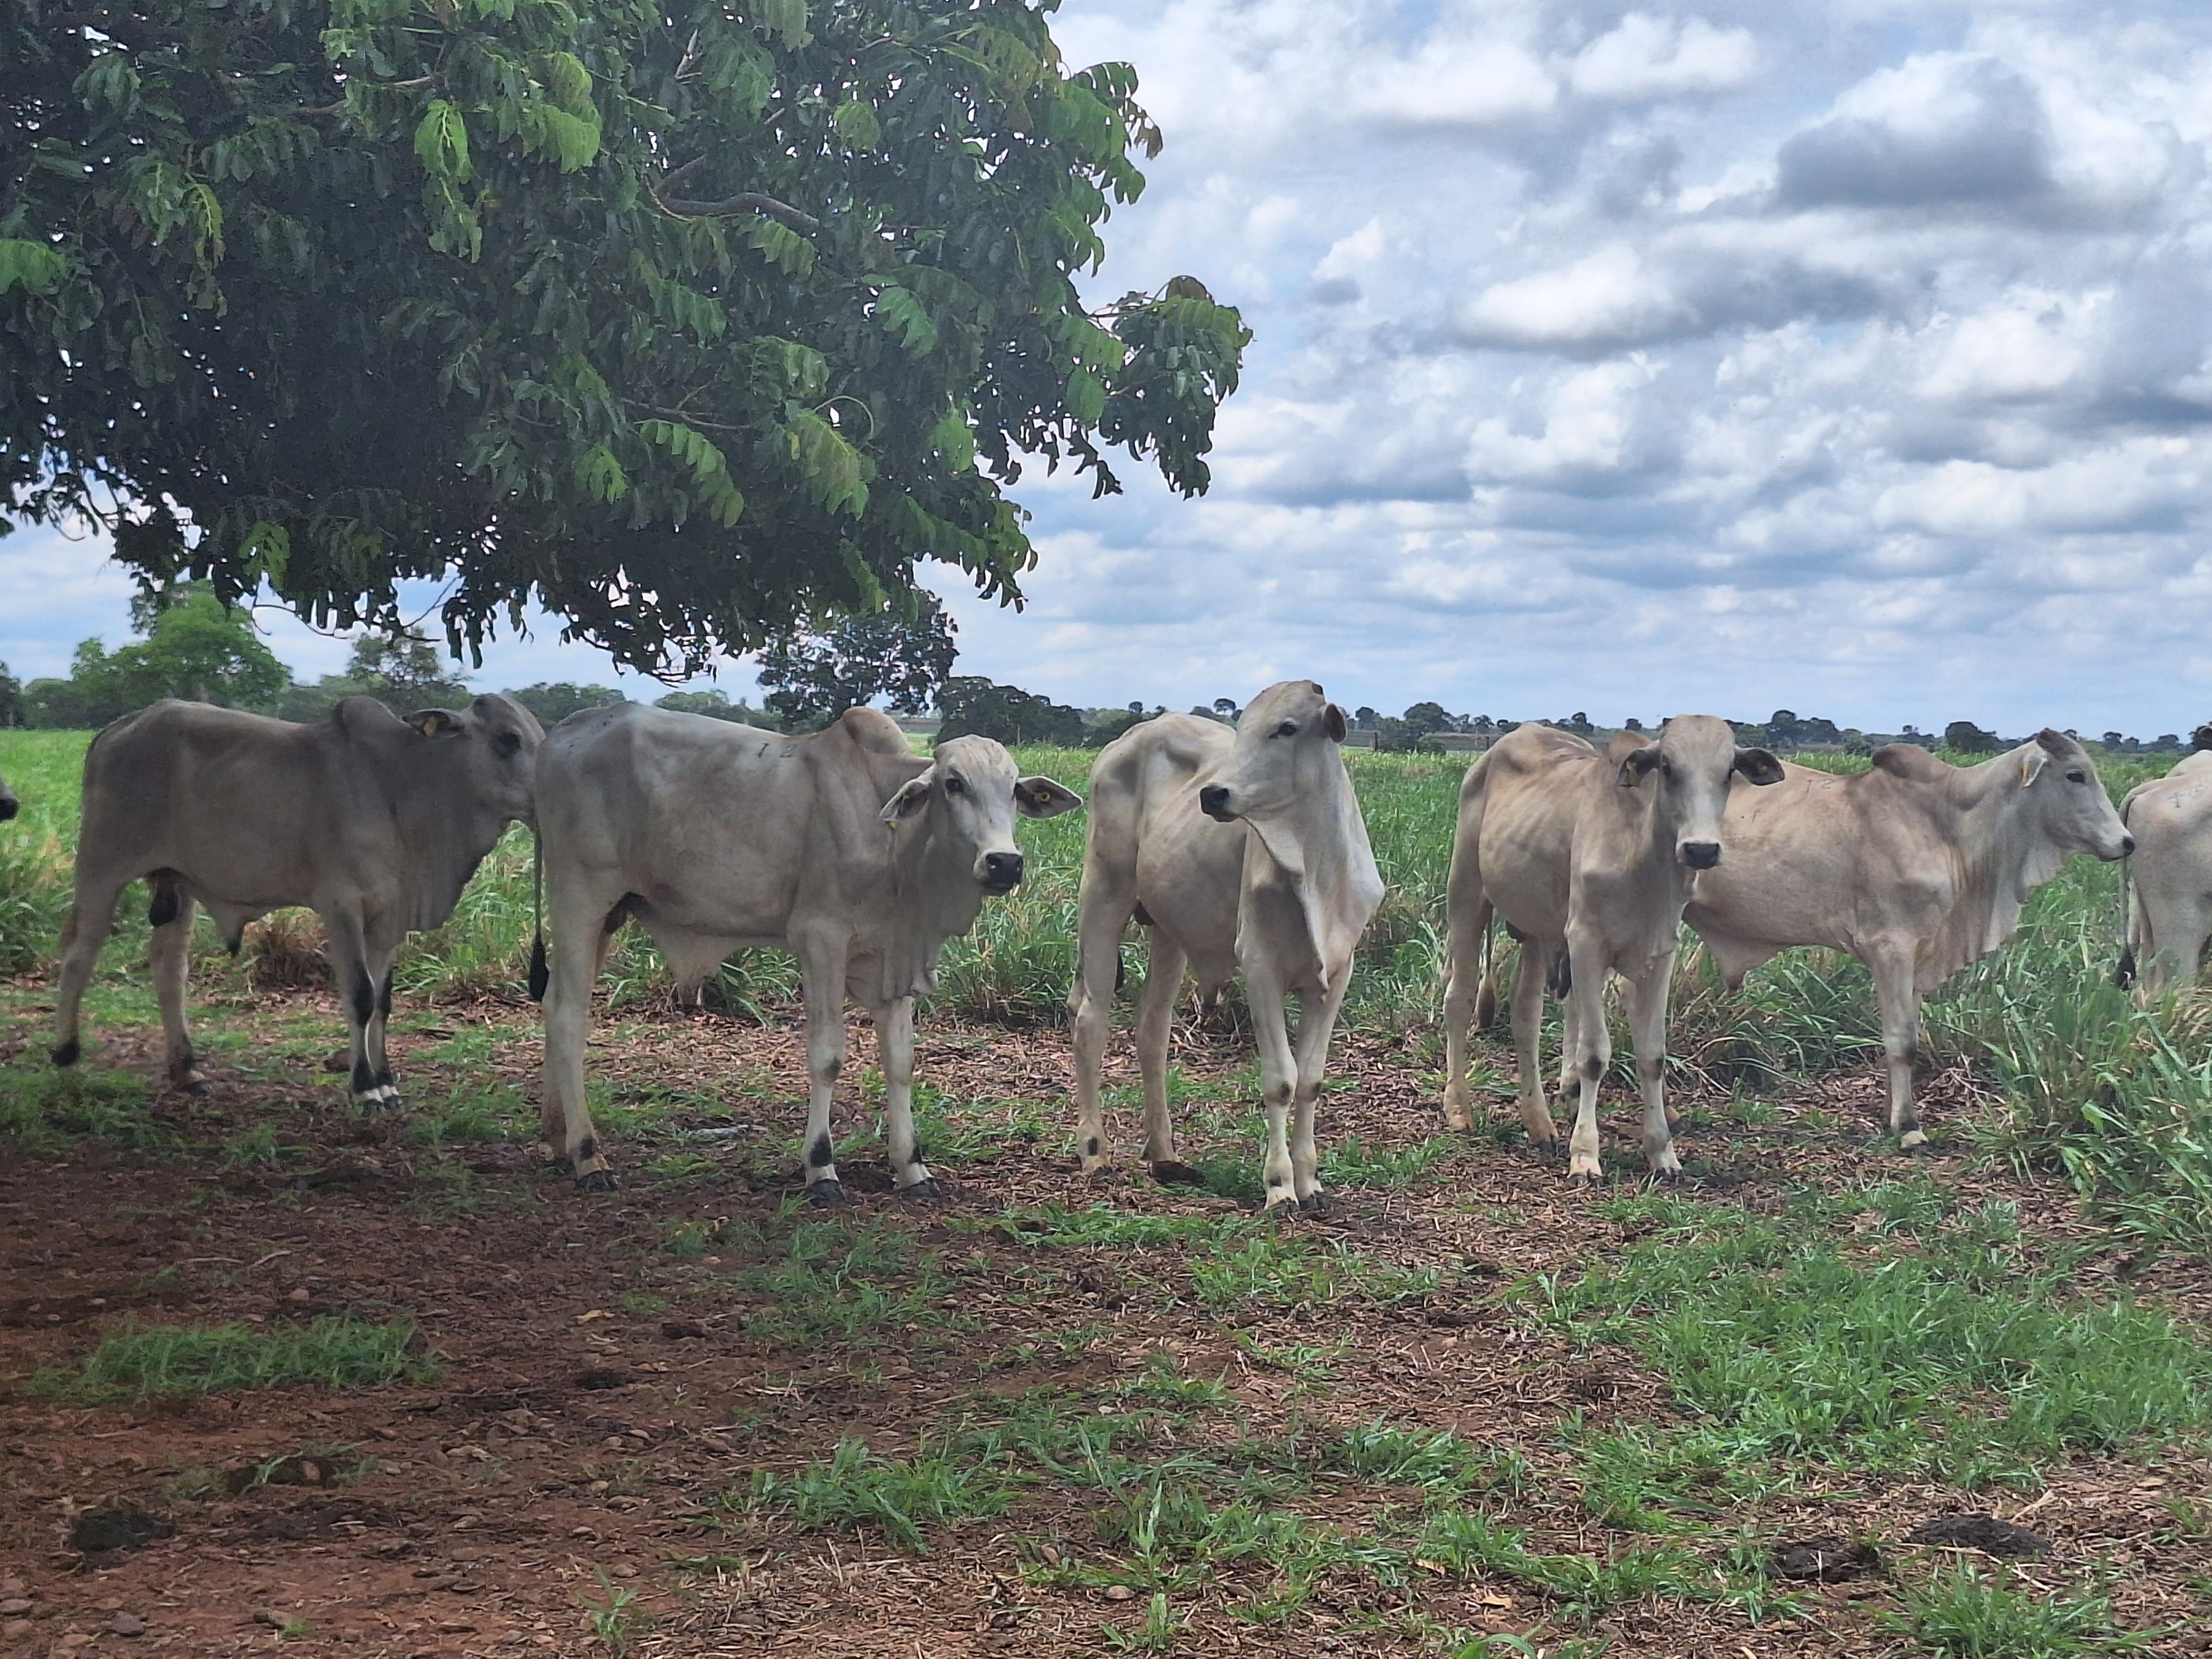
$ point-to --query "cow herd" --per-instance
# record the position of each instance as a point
(1233, 850)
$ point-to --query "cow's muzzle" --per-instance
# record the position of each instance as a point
(1213, 801)
(1701, 855)
(2127, 845)
(1002, 871)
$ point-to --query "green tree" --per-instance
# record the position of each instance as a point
(883, 653)
(971, 704)
(404, 669)
(553, 703)
(11, 698)
(698, 325)
(714, 705)
(1968, 738)
(196, 648)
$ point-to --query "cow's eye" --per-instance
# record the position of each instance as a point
(1287, 729)
(953, 786)
(2076, 777)
(507, 743)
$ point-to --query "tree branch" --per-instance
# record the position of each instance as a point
(744, 202)
(338, 108)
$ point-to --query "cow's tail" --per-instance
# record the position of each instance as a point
(2124, 974)
(539, 976)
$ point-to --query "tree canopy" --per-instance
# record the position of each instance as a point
(194, 647)
(697, 325)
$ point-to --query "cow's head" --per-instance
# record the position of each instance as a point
(1283, 736)
(8, 802)
(971, 792)
(1691, 766)
(2070, 804)
(493, 744)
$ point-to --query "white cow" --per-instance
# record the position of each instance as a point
(844, 846)
(1590, 856)
(1230, 849)
(376, 822)
(1914, 866)
(2171, 819)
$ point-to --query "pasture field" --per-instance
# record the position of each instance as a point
(274, 1375)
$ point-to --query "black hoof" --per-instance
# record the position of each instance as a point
(825, 1193)
(69, 1053)
(1315, 1204)
(1173, 1172)
(198, 1085)
(1284, 1202)
(598, 1181)
(924, 1191)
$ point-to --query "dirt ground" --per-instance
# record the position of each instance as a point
(597, 1390)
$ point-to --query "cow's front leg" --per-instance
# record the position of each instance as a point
(1586, 1053)
(821, 965)
(1647, 1018)
(1090, 1007)
(1278, 1077)
(1900, 1037)
(168, 954)
(1317, 1013)
(895, 1041)
(580, 936)
(381, 957)
(357, 990)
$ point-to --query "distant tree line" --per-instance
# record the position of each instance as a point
(190, 644)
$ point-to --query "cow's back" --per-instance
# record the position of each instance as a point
(721, 828)
(2170, 819)
(1145, 830)
(1535, 788)
(237, 803)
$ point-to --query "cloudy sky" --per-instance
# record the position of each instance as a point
(1848, 356)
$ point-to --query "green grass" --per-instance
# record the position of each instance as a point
(1961, 1613)
(904, 1498)
(141, 1362)
(1939, 1348)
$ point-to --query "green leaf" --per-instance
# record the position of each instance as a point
(897, 310)
(954, 438)
(441, 142)
(267, 551)
(835, 473)
(1086, 397)
(600, 475)
(32, 266)
(782, 246)
(785, 19)
(857, 125)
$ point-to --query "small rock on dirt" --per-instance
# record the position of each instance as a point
(602, 1378)
(1984, 1533)
(681, 1330)
(104, 1532)
(15, 1630)
(1831, 1561)
(127, 1624)
(13, 1605)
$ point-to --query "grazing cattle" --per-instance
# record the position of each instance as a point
(7, 801)
(844, 846)
(1588, 858)
(1914, 866)
(375, 823)
(1230, 849)
(2171, 819)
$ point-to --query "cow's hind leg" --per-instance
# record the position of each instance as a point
(356, 988)
(910, 1175)
(1527, 1013)
(821, 965)
(1647, 1018)
(385, 1090)
(582, 926)
(1099, 923)
(91, 918)
(1587, 1051)
(1900, 1038)
(1156, 1008)
(1465, 986)
(168, 954)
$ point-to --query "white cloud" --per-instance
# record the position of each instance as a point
(1607, 295)
(1649, 57)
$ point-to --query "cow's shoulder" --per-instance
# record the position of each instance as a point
(872, 732)
(1541, 750)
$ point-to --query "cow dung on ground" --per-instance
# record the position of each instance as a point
(1830, 1560)
(1984, 1533)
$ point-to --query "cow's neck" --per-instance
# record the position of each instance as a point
(441, 848)
(935, 897)
(1658, 832)
(2002, 856)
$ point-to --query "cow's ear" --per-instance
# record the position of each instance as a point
(1041, 798)
(1332, 718)
(2054, 743)
(1758, 766)
(2032, 764)
(913, 795)
(432, 722)
(1638, 763)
